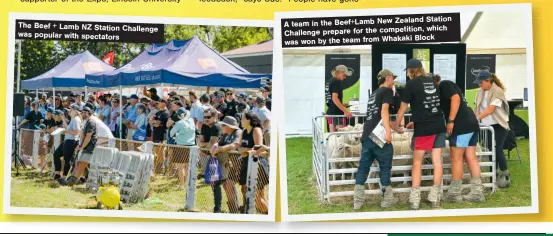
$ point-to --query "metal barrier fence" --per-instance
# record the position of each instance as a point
(173, 163)
(336, 158)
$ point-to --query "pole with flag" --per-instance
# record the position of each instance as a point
(109, 58)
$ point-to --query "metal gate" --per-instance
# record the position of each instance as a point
(336, 157)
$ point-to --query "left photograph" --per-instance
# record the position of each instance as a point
(140, 117)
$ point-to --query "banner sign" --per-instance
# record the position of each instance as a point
(475, 64)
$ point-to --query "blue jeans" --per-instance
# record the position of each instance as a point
(369, 152)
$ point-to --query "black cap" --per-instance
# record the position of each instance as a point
(205, 97)
(482, 75)
(259, 100)
(413, 63)
(163, 100)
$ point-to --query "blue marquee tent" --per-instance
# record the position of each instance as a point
(69, 74)
(188, 62)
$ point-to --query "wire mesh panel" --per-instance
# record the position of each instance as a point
(336, 158)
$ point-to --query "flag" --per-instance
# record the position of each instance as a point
(108, 58)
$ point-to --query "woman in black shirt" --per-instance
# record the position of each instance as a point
(252, 135)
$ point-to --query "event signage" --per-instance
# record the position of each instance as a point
(365, 30)
(89, 31)
(475, 64)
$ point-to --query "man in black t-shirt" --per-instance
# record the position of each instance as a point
(33, 118)
(423, 94)
(231, 103)
(463, 130)
(334, 93)
(159, 122)
(372, 148)
(89, 137)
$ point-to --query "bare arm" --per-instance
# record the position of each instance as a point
(401, 113)
(338, 103)
(86, 140)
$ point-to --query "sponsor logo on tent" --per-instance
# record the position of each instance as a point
(91, 67)
(207, 63)
(127, 67)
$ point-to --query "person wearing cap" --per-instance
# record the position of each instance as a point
(492, 109)
(184, 133)
(159, 122)
(244, 98)
(218, 103)
(229, 141)
(423, 94)
(334, 93)
(241, 109)
(89, 138)
(70, 143)
(230, 103)
(378, 111)
(130, 116)
(104, 110)
(265, 117)
(114, 121)
(463, 131)
(266, 93)
(151, 93)
(252, 135)
(141, 123)
(174, 118)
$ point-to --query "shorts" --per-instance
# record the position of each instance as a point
(337, 121)
(464, 140)
(429, 142)
(85, 157)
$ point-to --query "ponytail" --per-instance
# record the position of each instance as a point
(496, 81)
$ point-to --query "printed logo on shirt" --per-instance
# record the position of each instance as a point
(429, 88)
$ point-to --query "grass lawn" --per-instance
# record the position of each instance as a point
(303, 197)
(33, 189)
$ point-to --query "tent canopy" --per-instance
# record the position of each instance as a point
(189, 62)
(69, 74)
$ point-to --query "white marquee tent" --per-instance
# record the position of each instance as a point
(500, 33)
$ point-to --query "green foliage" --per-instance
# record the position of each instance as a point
(39, 56)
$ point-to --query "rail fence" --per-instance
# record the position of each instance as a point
(171, 165)
(336, 157)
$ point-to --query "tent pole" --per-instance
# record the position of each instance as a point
(54, 97)
(36, 94)
(19, 67)
(207, 90)
(121, 118)
(85, 92)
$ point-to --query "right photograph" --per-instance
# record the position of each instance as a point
(414, 112)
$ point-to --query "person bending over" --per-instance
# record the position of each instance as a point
(422, 93)
(463, 130)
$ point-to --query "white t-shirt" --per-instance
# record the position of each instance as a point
(102, 129)
(489, 120)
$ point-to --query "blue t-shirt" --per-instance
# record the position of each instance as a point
(104, 111)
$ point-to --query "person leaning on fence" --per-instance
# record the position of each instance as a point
(492, 109)
(229, 141)
(252, 135)
(334, 94)
(89, 137)
(184, 134)
(378, 110)
(140, 123)
(67, 148)
(463, 130)
(422, 92)
(209, 135)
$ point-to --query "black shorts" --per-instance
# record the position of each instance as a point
(261, 181)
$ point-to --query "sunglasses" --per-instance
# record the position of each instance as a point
(207, 117)
(229, 93)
